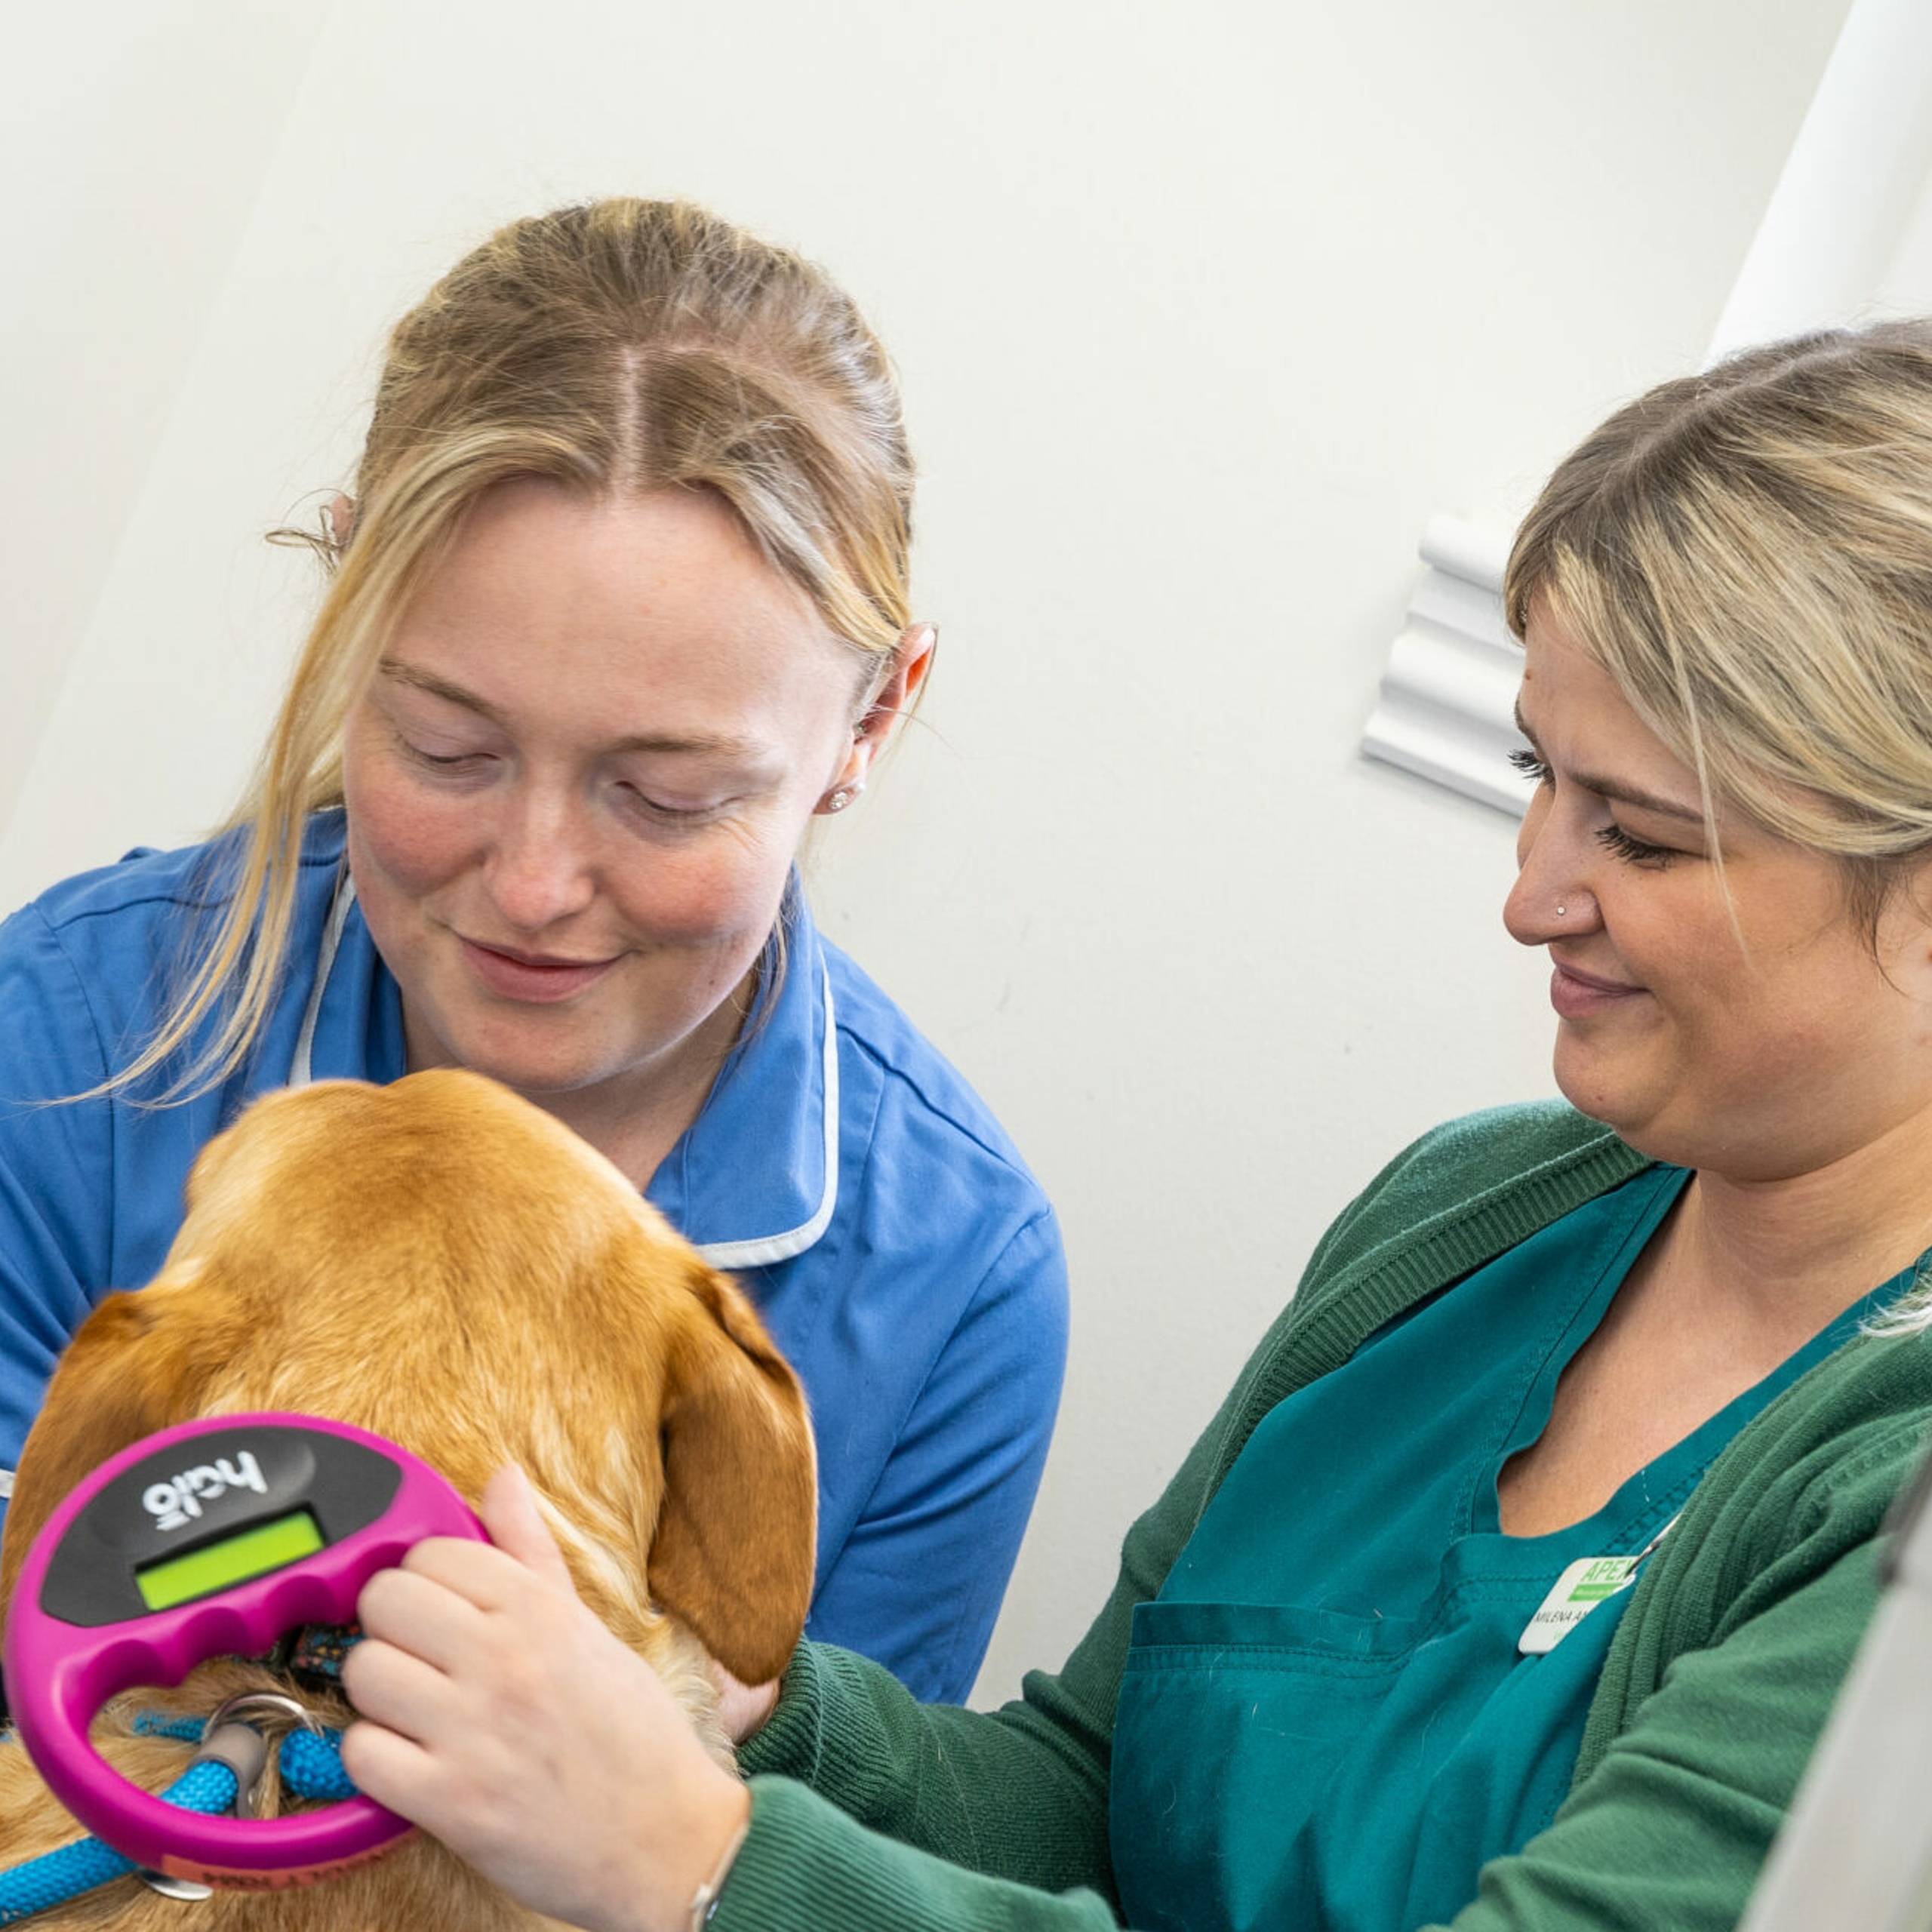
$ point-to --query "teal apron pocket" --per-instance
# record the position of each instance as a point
(1225, 1710)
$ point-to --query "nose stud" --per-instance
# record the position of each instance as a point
(1561, 910)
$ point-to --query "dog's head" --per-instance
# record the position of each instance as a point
(443, 1264)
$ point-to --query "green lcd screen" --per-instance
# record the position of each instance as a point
(253, 1553)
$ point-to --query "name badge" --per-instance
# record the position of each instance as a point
(1586, 1583)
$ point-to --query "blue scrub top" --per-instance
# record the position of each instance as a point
(1327, 1724)
(904, 1259)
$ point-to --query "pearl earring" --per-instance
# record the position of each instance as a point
(844, 796)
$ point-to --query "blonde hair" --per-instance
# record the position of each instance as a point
(1747, 553)
(616, 348)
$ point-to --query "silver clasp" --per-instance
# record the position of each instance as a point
(232, 1736)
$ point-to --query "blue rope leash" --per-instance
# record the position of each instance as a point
(311, 1760)
(56, 1876)
(311, 1765)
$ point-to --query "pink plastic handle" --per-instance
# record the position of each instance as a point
(59, 1675)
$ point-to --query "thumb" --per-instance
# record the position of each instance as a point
(509, 1509)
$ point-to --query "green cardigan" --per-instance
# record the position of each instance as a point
(871, 1811)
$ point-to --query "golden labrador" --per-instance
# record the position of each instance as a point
(443, 1264)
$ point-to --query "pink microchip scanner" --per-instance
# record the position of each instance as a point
(209, 1539)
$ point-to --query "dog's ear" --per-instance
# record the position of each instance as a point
(735, 1542)
(119, 1379)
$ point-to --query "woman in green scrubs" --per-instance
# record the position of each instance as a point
(1512, 1583)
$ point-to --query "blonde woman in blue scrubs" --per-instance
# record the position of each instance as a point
(620, 607)
(1511, 1585)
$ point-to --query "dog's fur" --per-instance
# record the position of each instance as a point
(443, 1264)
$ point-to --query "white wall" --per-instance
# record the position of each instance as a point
(1843, 235)
(1202, 309)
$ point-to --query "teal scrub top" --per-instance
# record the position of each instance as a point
(1326, 1724)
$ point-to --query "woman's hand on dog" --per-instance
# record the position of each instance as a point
(503, 1717)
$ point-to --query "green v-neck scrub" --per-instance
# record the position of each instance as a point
(1326, 1724)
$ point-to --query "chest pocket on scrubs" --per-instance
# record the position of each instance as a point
(1299, 1769)
(1227, 1711)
